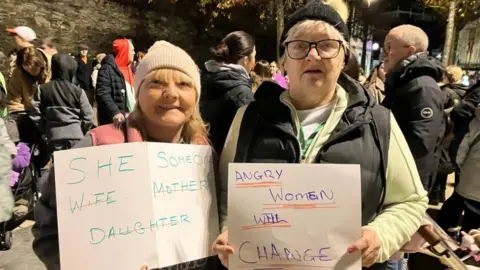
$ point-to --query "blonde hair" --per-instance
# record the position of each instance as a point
(453, 74)
(100, 57)
(194, 130)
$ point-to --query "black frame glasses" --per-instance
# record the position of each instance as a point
(310, 45)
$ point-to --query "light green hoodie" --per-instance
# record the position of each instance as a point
(405, 200)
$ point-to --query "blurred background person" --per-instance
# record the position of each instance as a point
(50, 46)
(352, 68)
(115, 94)
(227, 84)
(140, 56)
(96, 68)
(453, 91)
(32, 68)
(277, 75)
(376, 83)
(61, 110)
(261, 73)
(84, 72)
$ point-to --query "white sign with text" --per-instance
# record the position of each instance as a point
(293, 216)
(125, 205)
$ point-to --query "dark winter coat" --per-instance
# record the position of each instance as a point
(225, 88)
(84, 73)
(461, 116)
(110, 91)
(452, 95)
(60, 109)
(415, 99)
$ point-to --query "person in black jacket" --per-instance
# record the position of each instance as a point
(227, 84)
(453, 92)
(84, 72)
(61, 109)
(414, 97)
(326, 117)
(115, 94)
(461, 116)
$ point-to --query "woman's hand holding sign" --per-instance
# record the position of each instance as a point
(222, 249)
(369, 246)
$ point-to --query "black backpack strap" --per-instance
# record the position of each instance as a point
(475, 141)
(382, 128)
(249, 120)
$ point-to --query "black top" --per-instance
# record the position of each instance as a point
(110, 93)
(84, 73)
(223, 92)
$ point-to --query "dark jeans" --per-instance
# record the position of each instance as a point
(91, 96)
(471, 218)
(441, 183)
(451, 212)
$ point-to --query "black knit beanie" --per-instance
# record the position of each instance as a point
(317, 11)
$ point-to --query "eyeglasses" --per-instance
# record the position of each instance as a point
(326, 49)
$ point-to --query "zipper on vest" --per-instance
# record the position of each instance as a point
(338, 136)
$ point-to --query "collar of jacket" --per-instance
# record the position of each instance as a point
(359, 99)
(415, 66)
(215, 67)
(400, 71)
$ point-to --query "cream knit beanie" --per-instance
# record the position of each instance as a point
(166, 55)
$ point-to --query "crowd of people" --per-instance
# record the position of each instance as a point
(414, 121)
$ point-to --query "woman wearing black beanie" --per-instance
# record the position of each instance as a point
(328, 117)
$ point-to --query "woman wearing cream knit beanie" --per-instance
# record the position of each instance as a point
(168, 90)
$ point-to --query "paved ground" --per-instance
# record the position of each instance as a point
(21, 256)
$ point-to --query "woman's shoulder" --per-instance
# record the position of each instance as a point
(106, 134)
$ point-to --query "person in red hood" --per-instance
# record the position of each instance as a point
(115, 93)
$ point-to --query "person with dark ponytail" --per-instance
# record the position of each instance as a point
(227, 84)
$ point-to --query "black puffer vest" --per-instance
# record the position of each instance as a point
(268, 135)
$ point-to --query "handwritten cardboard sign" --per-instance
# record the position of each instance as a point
(293, 216)
(126, 205)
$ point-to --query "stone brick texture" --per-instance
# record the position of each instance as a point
(97, 23)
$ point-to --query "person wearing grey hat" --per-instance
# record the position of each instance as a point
(327, 117)
(84, 72)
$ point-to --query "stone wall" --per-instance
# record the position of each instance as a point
(97, 23)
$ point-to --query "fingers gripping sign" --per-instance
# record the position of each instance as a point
(222, 249)
(369, 246)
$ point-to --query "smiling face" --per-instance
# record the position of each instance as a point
(167, 98)
(312, 78)
(273, 68)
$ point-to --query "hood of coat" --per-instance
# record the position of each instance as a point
(221, 78)
(64, 67)
(415, 66)
(121, 50)
(109, 60)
